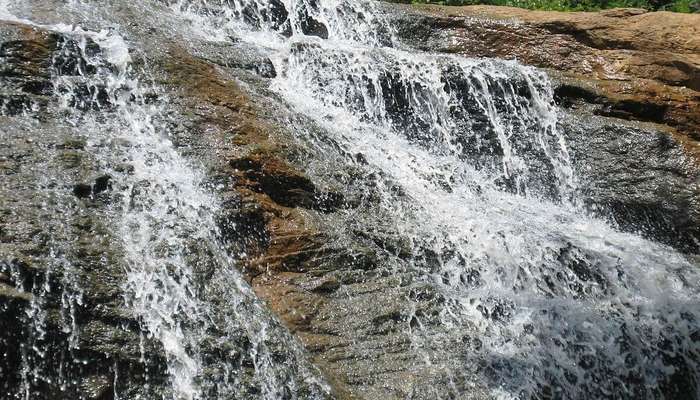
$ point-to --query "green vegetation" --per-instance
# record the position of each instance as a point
(684, 6)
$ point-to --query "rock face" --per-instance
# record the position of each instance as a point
(637, 65)
(616, 44)
(304, 219)
(625, 64)
(65, 298)
(67, 330)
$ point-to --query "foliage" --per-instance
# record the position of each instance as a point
(685, 6)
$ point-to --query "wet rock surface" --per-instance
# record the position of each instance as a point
(63, 270)
(639, 176)
(297, 260)
(70, 295)
(312, 235)
(624, 64)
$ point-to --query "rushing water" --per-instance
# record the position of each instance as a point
(552, 303)
(164, 214)
(549, 302)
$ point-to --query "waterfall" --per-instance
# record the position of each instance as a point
(181, 284)
(538, 299)
(550, 302)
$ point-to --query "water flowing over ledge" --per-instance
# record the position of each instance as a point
(528, 296)
(550, 301)
(176, 264)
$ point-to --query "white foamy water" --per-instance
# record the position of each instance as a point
(547, 301)
(181, 285)
(163, 197)
(551, 302)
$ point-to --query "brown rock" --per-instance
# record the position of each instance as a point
(636, 65)
(29, 55)
(273, 197)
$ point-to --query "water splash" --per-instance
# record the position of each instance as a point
(540, 300)
(491, 115)
(180, 283)
(248, 19)
(171, 240)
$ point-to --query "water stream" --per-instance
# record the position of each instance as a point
(547, 300)
(551, 302)
(180, 283)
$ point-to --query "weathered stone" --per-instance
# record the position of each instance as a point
(351, 294)
(637, 61)
(628, 65)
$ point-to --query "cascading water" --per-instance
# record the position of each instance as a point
(180, 284)
(537, 298)
(549, 302)
(498, 116)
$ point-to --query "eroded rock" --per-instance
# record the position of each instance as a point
(647, 61)
(624, 65)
